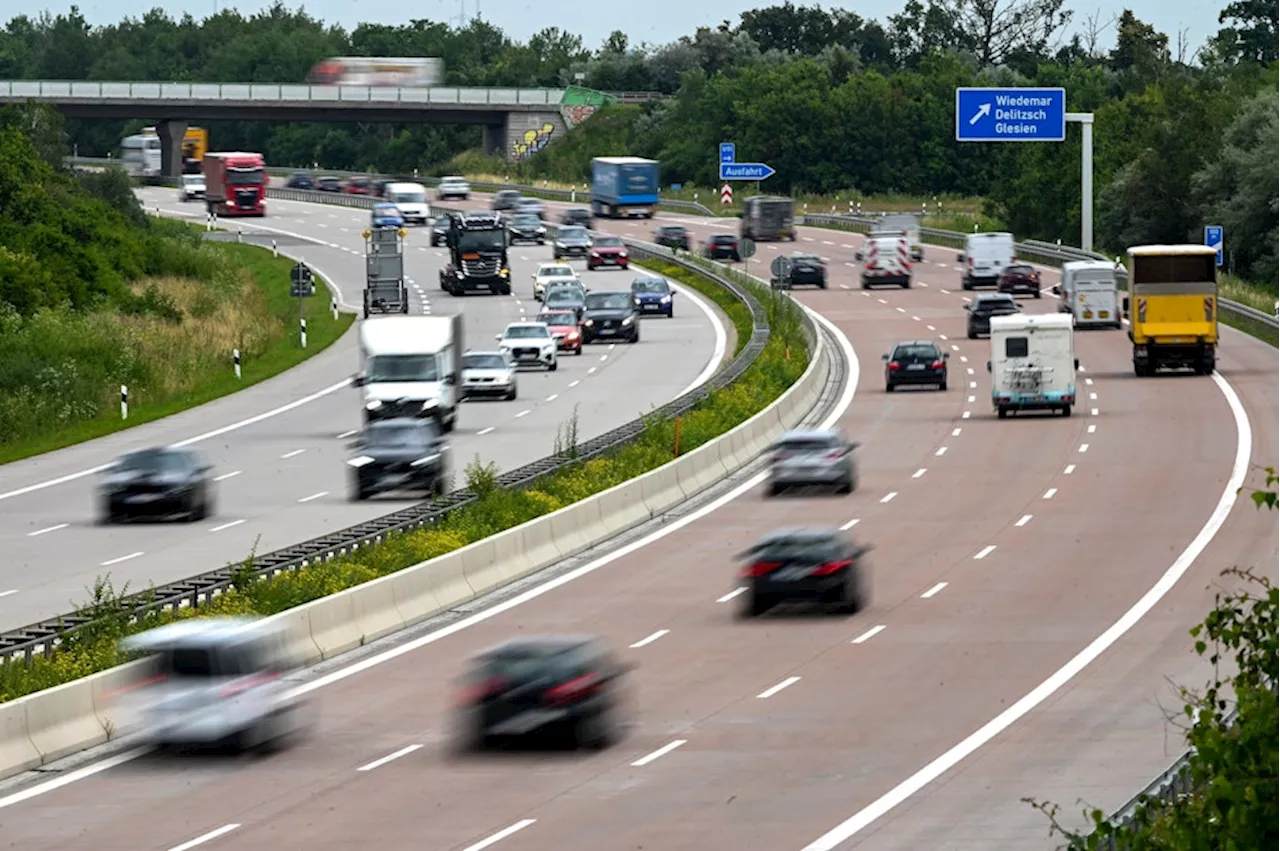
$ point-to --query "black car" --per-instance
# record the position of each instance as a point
(505, 199)
(986, 306)
(328, 184)
(672, 236)
(577, 216)
(157, 482)
(399, 454)
(808, 270)
(440, 231)
(722, 246)
(610, 316)
(300, 180)
(915, 362)
(526, 227)
(572, 241)
(810, 565)
(567, 687)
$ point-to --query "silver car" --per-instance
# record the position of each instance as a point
(804, 457)
(215, 681)
(489, 375)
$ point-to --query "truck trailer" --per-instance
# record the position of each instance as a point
(624, 187)
(1172, 308)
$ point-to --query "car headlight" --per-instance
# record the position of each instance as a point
(622, 254)
(429, 404)
(504, 273)
(666, 298)
(373, 405)
(589, 323)
(360, 461)
(627, 321)
(595, 254)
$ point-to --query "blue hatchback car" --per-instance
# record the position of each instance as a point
(653, 295)
(387, 216)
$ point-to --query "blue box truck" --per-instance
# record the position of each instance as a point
(624, 187)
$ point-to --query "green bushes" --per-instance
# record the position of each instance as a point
(783, 361)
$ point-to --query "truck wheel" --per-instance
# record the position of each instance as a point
(1066, 410)
(966, 284)
(1002, 412)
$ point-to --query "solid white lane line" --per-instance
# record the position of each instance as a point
(659, 753)
(1049, 493)
(490, 841)
(211, 835)
(47, 530)
(9, 592)
(942, 450)
(771, 691)
(484, 430)
(869, 634)
(985, 551)
(934, 590)
(847, 526)
(650, 639)
(295, 453)
(524, 413)
(727, 597)
(389, 758)
(918, 473)
(1091, 429)
(314, 496)
(226, 525)
(888, 497)
(1025, 519)
(110, 562)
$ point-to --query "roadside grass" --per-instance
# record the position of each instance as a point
(61, 371)
(784, 359)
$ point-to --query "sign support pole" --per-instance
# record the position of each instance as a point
(1085, 120)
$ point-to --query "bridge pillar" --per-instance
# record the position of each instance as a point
(530, 132)
(493, 139)
(171, 133)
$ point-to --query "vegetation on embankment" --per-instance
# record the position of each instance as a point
(94, 295)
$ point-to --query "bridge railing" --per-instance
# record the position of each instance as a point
(275, 93)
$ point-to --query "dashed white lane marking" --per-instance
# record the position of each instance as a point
(494, 839)
(650, 639)
(844, 286)
(942, 450)
(314, 496)
(943, 337)
(955, 432)
(1023, 521)
(1091, 429)
(727, 597)
(931, 328)
(888, 497)
(348, 433)
(553, 397)
(405, 751)
(918, 473)
(901, 309)
(484, 431)
(211, 835)
(985, 551)
(226, 476)
(226, 525)
(972, 384)
(770, 692)
(295, 453)
(46, 530)
(969, 370)
(524, 413)
(964, 359)
(847, 526)
(966, 414)
(1093, 396)
(934, 590)
(1049, 493)
(604, 358)
(1069, 469)
(882, 301)
(659, 753)
(575, 382)
(1093, 412)
(869, 634)
(10, 592)
(946, 292)
(972, 399)
(591, 371)
(1087, 380)
(1084, 447)
(112, 561)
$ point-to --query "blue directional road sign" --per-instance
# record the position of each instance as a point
(1213, 239)
(1011, 115)
(728, 152)
(745, 171)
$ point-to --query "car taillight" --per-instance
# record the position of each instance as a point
(832, 567)
(780, 456)
(481, 691)
(762, 568)
(893, 364)
(575, 689)
(937, 364)
(835, 453)
(245, 683)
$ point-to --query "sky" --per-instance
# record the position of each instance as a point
(653, 21)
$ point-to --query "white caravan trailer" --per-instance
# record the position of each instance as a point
(1089, 293)
(1033, 363)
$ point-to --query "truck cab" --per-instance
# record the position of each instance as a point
(477, 255)
(1033, 364)
(411, 366)
(235, 183)
(768, 218)
(1089, 293)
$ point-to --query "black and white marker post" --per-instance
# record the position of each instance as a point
(235, 353)
(124, 402)
(301, 286)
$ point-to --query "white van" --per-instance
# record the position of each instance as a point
(985, 256)
(886, 260)
(1089, 293)
(1033, 363)
(411, 200)
(411, 366)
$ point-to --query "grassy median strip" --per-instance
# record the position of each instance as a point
(781, 363)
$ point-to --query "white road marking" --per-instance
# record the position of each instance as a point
(931, 328)
(964, 359)
(490, 841)
(314, 496)
(553, 397)
(972, 384)
(524, 413)
(918, 473)
(1093, 412)
(869, 634)
(955, 432)
(10, 592)
(985, 551)
(295, 453)
(349, 433)
(1023, 521)
(973, 399)
(901, 309)
(934, 590)
(727, 597)
(211, 835)
(888, 497)
(947, 292)
(226, 525)
(1084, 447)
(882, 301)
(1087, 380)
(847, 526)
(591, 370)
(604, 358)
(1091, 429)
(1093, 396)
(110, 562)
(1049, 493)
(484, 431)
(659, 753)
(942, 450)
(650, 639)
(969, 370)
(46, 530)
(389, 758)
(953, 347)
(770, 692)
(578, 381)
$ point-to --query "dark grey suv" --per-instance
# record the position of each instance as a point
(986, 306)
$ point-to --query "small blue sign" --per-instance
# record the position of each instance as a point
(1011, 115)
(728, 152)
(1213, 239)
(676, 187)
(745, 171)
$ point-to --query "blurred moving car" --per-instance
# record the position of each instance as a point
(548, 272)
(806, 457)
(218, 681)
(300, 180)
(564, 327)
(489, 374)
(986, 306)
(440, 231)
(191, 187)
(607, 251)
(386, 216)
(722, 246)
(529, 343)
(359, 185)
(810, 565)
(572, 241)
(915, 362)
(157, 482)
(328, 183)
(1019, 278)
(672, 236)
(610, 316)
(526, 227)
(568, 687)
(530, 207)
(580, 216)
(566, 295)
(808, 269)
(399, 454)
(653, 295)
(453, 187)
(504, 199)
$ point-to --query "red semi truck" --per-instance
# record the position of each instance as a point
(235, 184)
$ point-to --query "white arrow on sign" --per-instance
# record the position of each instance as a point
(985, 109)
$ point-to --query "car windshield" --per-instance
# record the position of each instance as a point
(385, 210)
(556, 272)
(398, 435)
(525, 220)
(193, 180)
(608, 242)
(481, 240)
(915, 351)
(670, 230)
(989, 305)
(483, 362)
(724, 239)
(1019, 270)
(386, 368)
(508, 195)
(814, 443)
(153, 462)
(526, 332)
(246, 176)
(649, 285)
(573, 233)
(806, 258)
(408, 197)
(442, 222)
(609, 301)
(567, 295)
(788, 549)
(559, 319)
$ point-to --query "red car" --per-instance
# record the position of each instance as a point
(1020, 278)
(564, 326)
(607, 251)
(359, 186)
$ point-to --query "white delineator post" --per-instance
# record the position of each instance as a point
(235, 354)
(303, 331)
(1085, 120)
(124, 402)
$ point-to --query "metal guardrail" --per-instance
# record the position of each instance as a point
(43, 637)
(268, 93)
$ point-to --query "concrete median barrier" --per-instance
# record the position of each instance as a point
(414, 595)
(540, 545)
(448, 579)
(576, 527)
(112, 694)
(61, 720)
(620, 509)
(17, 753)
(301, 648)
(661, 489)
(480, 566)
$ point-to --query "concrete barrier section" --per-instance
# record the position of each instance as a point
(414, 594)
(376, 609)
(17, 753)
(301, 648)
(480, 566)
(334, 626)
(448, 578)
(509, 555)
(660, 489)
(701, 468)
(114, 697)
(622, 507)
(61, 720)
(539, 544)
(576, 527)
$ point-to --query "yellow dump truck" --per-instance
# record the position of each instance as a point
(1172, 308)
(195, 144)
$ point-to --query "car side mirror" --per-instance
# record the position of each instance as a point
(968, 307)
(1077, 364)
(497, 337)
(946, 355)
(988, 366)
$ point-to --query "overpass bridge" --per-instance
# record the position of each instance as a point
(517, 122)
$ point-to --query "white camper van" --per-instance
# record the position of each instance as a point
(411, 366)
(1033, 363)
(1089, 293)
(411, 200)
(984, 257)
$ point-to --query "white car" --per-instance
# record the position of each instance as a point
(529, 343)
(489, 374)
(453, 187)
(549, 272)
(191, 187)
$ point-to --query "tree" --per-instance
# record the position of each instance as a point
(997, 29)
(1251, 34)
